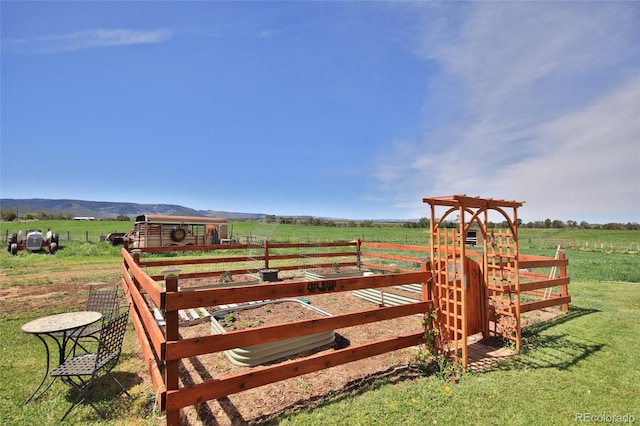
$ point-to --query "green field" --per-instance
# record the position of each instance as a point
(582, 363)
(584, 239)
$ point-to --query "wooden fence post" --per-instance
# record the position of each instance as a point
(564, 291)
(135, 253)
(427, 286)
(171, 371)
(266, 254)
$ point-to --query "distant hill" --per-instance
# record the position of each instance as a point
(109, 209)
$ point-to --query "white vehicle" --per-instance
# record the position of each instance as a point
(33, 241)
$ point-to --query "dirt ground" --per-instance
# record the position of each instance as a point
(269, 402)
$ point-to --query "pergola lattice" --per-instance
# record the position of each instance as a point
(471, 294)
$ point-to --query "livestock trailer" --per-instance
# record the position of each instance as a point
(151, 230)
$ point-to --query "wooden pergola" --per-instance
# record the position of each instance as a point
(472, 289)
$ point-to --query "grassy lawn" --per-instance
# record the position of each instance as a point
(582, 362)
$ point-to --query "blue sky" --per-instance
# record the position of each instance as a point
(339, 109)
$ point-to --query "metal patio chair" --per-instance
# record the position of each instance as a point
(103, 301)
(82, 372)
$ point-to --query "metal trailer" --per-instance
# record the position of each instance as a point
(164, 230)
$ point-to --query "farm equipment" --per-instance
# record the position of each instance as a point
(115, 238)
(33, 241)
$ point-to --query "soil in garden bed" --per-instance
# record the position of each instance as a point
(332, 270)
(270, 314)
(210, 282)
(304, 392)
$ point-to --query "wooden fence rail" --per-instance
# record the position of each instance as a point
(555, 283)
(281, 256)
(163, 350)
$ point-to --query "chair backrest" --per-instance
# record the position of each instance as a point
(111, 338)
(103, 301)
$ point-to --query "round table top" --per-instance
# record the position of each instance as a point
(61, 322)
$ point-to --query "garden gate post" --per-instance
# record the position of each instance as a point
(135, 253)
(171, 335)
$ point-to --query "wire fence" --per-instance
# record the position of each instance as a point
(524, 243)
(83, 236)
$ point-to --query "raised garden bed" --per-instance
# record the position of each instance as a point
(218, 282)
(327, 273)
(260, 314)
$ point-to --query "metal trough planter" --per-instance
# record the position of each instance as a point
(386, 298)
(311, 275)
(250, 356)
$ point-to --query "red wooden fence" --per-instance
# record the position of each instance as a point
(163, 350)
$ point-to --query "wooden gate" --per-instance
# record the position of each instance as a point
(476, 301)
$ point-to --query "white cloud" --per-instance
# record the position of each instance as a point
(268, 33)
(591, 164)
(81, 40)
(543, 106)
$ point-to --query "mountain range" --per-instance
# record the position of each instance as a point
(110, 209)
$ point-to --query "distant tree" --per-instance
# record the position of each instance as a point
(287, 220)
(271, 218)
(547, 223)
(449, 224)
(558, 224)
(8, 215)
(123, 218)
(612, 226)
(424, 222)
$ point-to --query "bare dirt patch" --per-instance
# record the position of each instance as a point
(271, 314)
(304, 392)
(72, 295)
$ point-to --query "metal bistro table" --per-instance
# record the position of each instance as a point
(61, 329)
